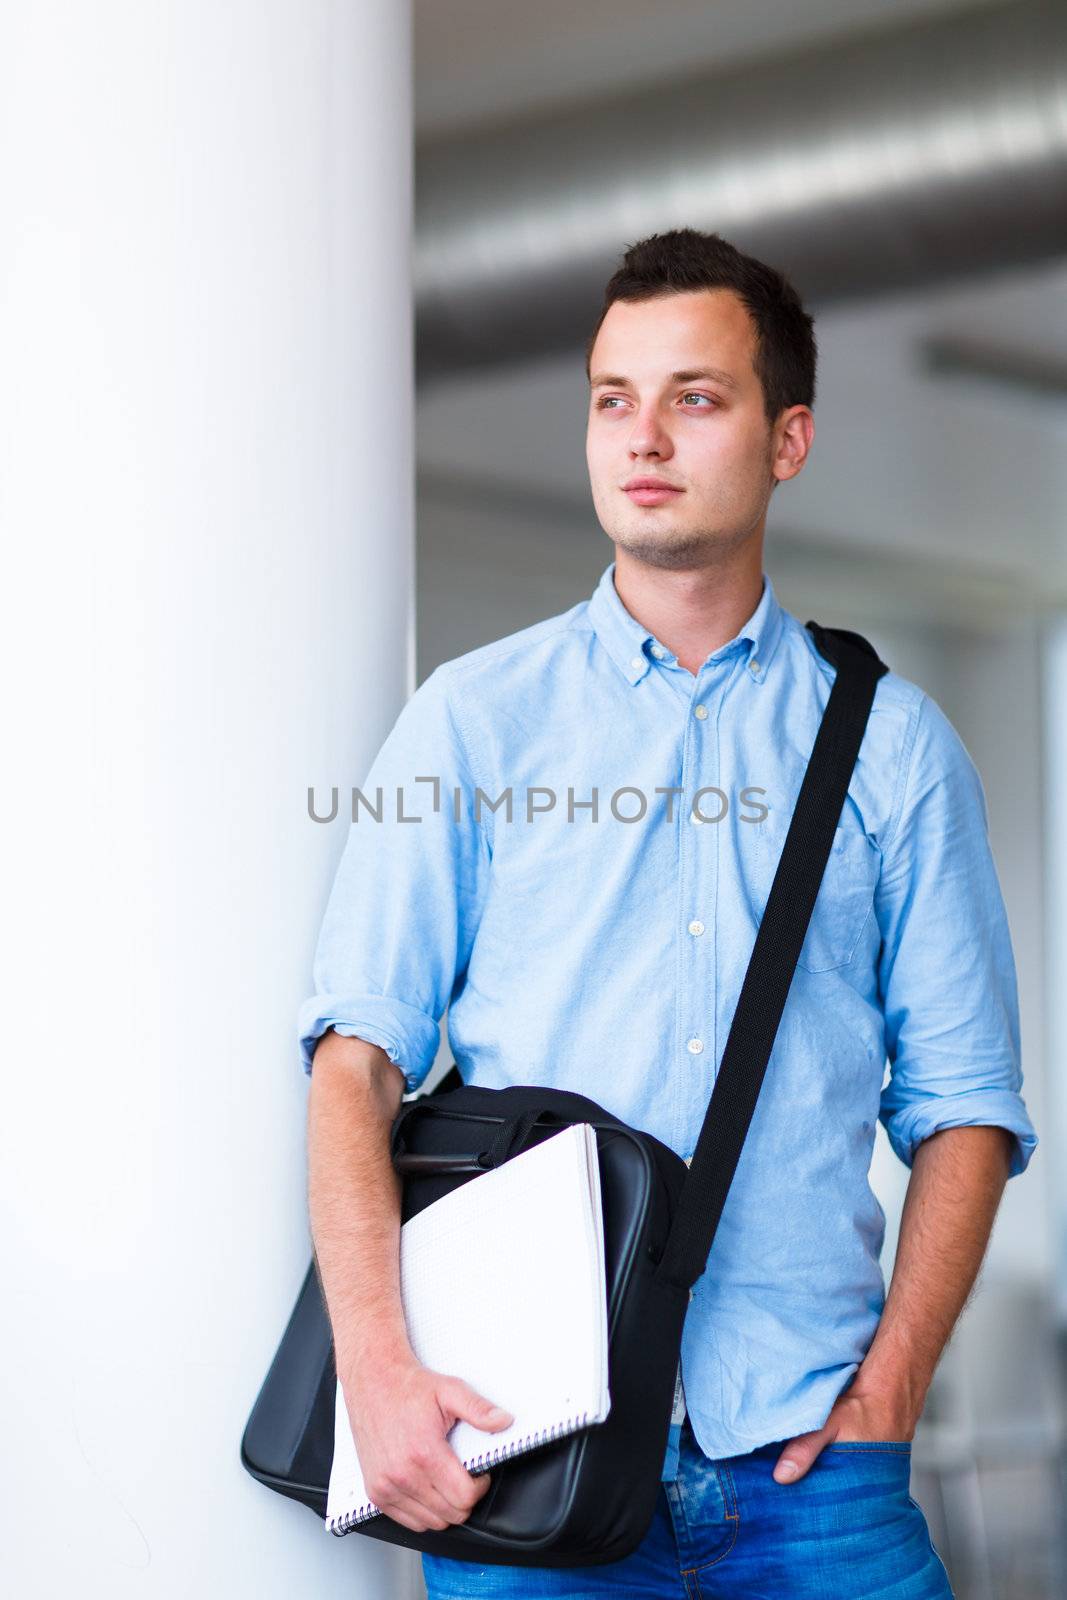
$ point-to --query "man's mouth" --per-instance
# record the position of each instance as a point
(650, 491)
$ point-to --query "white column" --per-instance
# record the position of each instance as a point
(207, 597)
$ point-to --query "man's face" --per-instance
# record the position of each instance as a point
(707, 436)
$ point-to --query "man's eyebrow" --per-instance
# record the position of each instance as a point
(611, 380)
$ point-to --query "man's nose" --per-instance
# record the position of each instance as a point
(649, 437)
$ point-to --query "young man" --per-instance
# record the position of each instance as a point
(643, 752)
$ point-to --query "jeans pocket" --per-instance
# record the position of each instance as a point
(890, 1446)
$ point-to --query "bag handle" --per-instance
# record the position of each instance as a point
(512, 1133)
(776, 951)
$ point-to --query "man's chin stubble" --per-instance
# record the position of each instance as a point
(674, 549)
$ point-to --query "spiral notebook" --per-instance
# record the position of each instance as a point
(502, 1283)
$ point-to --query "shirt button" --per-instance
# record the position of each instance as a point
(696, 927)
(658, 651)
(695, 1046)
(700, 711)
(637, 661)
(694, 816)
(753, 666)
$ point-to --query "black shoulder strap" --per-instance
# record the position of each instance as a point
(777, 947)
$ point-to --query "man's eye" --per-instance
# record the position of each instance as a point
(612, 400)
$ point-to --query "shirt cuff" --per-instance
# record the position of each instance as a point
(409, 1037)
(909, 1125)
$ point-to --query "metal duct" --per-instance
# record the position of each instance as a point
(893, 160)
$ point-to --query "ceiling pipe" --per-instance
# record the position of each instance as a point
(888, 161)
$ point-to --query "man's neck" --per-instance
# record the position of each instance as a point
(693, 611)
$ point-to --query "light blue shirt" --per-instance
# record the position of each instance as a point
(604, 955)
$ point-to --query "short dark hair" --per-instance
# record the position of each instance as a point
(685, 259)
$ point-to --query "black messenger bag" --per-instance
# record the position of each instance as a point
(588, 1497)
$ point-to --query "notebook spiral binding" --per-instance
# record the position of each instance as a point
(339, 1526)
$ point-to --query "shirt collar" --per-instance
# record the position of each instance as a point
(634, 650)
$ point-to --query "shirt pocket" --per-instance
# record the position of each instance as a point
(846, 893)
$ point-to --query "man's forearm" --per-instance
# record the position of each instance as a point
(957, 1179)
(354, 1201)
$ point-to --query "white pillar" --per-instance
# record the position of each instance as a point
(206, 494)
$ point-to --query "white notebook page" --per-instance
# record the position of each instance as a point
(503, 1284)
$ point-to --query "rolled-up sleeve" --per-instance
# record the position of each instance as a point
(404, 907)
(946, 969)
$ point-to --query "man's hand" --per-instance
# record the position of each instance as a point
(856, 1415)
(957, 1178)
(400, 1418)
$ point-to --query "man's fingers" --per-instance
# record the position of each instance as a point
(460, 1489)
(424, 1506)
(440, 1490)
(414, 1515)
(457, 1398)
(463, 1488)
(799, 1455)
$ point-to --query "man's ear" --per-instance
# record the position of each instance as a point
(794, 441)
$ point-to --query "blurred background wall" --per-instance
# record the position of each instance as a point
(906, 162)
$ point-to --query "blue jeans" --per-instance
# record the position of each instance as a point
(724, 1530)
